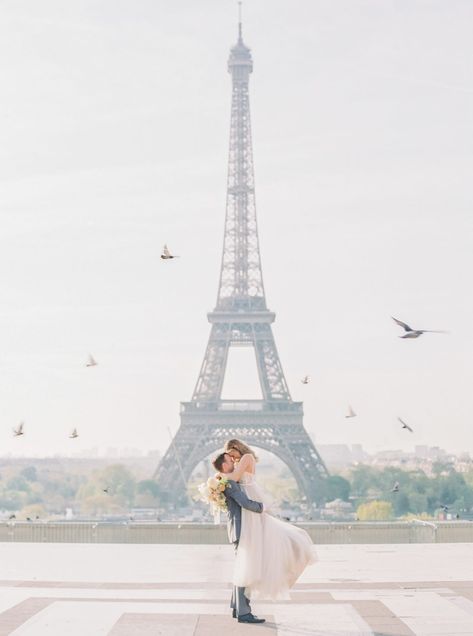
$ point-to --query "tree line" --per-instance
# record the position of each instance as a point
(404, 492)
(114, 489)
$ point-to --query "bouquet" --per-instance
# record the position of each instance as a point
(212, 492)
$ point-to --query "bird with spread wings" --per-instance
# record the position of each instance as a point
(414, 333)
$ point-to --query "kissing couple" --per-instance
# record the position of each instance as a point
(270, 554)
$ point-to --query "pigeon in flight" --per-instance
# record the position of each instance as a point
(13, 516)
(351, 412)
(395, 488)
(166, 254)
(91, 362)
(18, 430)
(306, 379)
(413, 333)
(105, 490)
(74, 434)
(406, 426)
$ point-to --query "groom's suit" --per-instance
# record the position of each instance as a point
(236, 500)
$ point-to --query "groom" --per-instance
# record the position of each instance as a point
(236, 500)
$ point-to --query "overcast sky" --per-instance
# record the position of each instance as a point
(114, 133)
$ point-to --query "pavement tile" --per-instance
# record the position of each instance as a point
(155, 625)
(389, 628)
(12, 618)
(210, 625)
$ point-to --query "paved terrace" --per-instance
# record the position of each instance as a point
(83, 589)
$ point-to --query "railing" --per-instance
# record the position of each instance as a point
(194, 533)
(241, 405)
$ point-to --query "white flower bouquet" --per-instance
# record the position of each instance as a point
(212, 492)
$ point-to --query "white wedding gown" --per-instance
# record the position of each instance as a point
(271, 554)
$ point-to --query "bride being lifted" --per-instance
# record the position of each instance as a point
(271, 554)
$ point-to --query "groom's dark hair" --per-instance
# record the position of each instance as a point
(218, 461)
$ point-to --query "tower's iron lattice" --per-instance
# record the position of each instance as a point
(241, 318)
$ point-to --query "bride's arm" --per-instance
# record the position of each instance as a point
(246, 464)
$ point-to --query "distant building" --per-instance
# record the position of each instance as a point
(421, 451)
(358, 454)
(336, 455)
(337, 509)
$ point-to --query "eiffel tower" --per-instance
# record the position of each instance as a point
(241, 318)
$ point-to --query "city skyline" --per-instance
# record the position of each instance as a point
(119, 145)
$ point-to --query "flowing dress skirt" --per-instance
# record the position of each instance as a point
(271, 554)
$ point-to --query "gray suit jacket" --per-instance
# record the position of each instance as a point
(236, 500)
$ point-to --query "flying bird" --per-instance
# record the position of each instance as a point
(18, 430)
(91, 362)
(105, 490)
(395, 488)
(74, 434)
(406, 426)
(166, 254)
(413, 333)
(13, 516)
(351, 412)
(306, 379)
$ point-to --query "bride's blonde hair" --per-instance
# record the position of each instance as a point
(241, 447)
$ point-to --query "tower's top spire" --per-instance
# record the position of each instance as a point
(240, 37)
(240, 55)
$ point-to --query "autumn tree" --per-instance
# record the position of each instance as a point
(375, 511)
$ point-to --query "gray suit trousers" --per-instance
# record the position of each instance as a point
(240, 603)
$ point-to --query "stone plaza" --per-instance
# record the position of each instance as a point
(80, 589)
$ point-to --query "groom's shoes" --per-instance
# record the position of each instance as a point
(250, 618)
(234, 613)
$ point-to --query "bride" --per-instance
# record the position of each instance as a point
(271, 554)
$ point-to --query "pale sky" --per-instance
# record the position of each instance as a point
(114, 132)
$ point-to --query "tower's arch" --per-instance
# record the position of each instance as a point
(281, 434)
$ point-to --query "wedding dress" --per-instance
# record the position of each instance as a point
(271, 554)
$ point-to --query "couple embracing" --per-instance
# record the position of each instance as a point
(270, 554)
